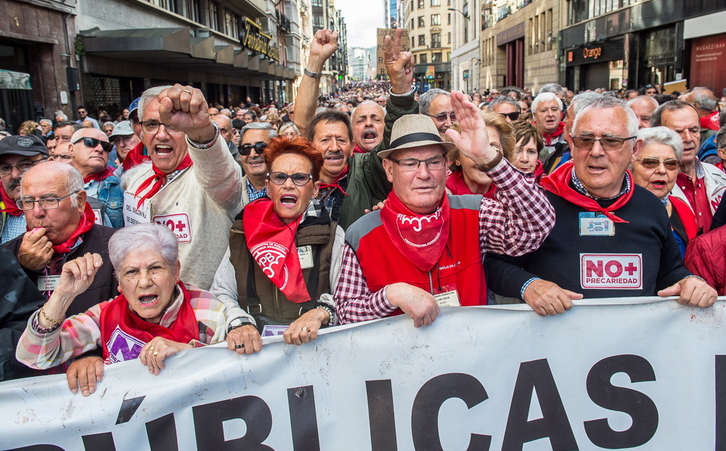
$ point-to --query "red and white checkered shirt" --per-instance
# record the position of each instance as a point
(517, 222)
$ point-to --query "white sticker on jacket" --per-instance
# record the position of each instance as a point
(177, 223)
(611, 271)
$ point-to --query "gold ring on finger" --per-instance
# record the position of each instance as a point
(151, 348)
(156, 353)
(304, 329)
(188, 91)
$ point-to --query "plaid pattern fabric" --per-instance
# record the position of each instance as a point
(81, 333)
(516, 223)
(254, 194)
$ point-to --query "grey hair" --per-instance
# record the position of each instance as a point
(502, 100)
(648, 99)
(287, 125)
(656, 120)
(258, 126)
(721, 138)
(705, 99)
(581, 100)
(424, 101)
(545, 97)
(45, 121)
(148, 95)
(139, 238)
(553, 88)
(606, 102)
(662, 135)
(73, 180)
(369, 102)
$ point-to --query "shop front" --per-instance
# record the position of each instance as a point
(601, 65)
(707, 44)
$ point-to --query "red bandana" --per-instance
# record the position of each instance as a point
(117, 314)
(685, 214)
(272, 244)
(88, 218)
(335, 183)
(357, 149)
(11, 207)
(99, 176)
(710, 122)
(559, 183)
(549, 137)
(420, 238)
(158, 180)
(135, 157)
(457, 185)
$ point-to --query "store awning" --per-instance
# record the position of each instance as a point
(14, 80)
(178, 48)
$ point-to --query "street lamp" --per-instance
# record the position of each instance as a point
(466, 16)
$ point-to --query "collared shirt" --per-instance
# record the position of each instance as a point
(253, 193)
(695, 192)
(582, 190)
(521, 205)
(14, 227)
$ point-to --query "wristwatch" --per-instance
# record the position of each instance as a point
(239, 322)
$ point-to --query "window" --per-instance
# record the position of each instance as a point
(414, 59)
(318, 22)
(231, 24)
(213, 17)
(421, 40)
(436, 58)
(435, 2)
(435, 19)
(422, 58)
(448, 19)
(436, 40)
(420, 4)
(421, 22)
(449, 38)
(316, 3)
(413, 41)
(192, 10)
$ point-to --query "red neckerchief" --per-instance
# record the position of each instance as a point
(420, 238)
(559, 183)
(99, 176)
(357, 149)
(549, 137)
(335, 183)
(11, 207)
(272, 244)
(710, 122)
(158, 180)
(457, 185)
(686, 215)
(118, 314)
(88, 218)
(539, 171)
(720, 166)
(135, 157)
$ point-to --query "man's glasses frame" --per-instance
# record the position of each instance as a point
(441, 117)
(92, 143)
(152, 127)
(46, 203)
(412, 164)
(607, 143)
(246, 149)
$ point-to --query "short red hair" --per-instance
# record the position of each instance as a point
(298, 146)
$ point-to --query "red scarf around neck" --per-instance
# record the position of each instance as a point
(559, 183)
(457, 185)
(118, 314)
(88, 218)
(158, 180)
(106, 173)
(710, 122)
(336, 183)
(11, 207)
(357, 149)
(685, 214)
(420, 238)
(272, 244)
(135, 157)
(549, 137)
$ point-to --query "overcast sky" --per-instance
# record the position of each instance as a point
(362, 17)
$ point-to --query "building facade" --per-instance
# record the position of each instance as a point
(466, 44)
(632, 43)
(429, 29)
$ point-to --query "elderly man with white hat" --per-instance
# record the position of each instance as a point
(424, 237)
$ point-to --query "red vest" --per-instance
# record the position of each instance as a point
(460, 266)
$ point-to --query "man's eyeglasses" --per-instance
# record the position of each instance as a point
(298, 178)
(46, 203)
(441, 117)
(92, 143)
(412, 164)
(670, 164)
(246, 149)
(152, 127)
(512, 116)
(609, 143)
(22, 167)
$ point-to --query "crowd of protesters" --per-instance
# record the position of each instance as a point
(184, 222)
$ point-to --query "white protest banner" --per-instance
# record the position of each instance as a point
(648, 375)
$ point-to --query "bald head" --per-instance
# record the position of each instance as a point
(225, 126)
(643, 107)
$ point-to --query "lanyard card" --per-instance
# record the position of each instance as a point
(596, 224)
